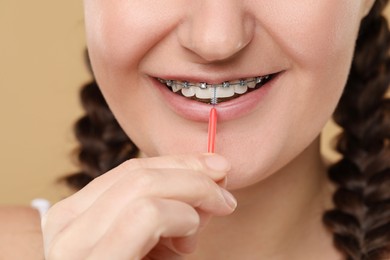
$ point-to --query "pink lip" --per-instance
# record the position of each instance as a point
(197, 111)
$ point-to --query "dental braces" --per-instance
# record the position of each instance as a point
(204, 85)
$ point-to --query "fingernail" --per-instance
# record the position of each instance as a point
(229, 199)
(216, 162)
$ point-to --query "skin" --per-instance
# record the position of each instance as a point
(132, 40)
(174, 204)
(20, 236)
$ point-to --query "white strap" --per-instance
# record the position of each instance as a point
(42, 205)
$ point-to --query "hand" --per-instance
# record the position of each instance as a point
(150, 208)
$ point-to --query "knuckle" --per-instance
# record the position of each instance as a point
(139, 179)
(193, 218)
(146, 209)
(206, 185)
(142, 181)
(132, 164)
(59, 211)
(210, 192)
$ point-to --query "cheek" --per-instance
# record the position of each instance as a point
(319, 37)
(312, 32)
(119, 33)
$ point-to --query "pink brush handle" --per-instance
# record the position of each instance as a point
(212, 130)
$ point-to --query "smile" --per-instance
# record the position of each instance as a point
(225, 91)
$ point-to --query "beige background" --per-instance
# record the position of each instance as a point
(41, 70)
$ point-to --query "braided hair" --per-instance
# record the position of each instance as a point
(360, 220)
(103, 144)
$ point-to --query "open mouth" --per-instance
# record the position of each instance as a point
(216, 93)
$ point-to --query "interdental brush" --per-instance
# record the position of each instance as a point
(212, 124)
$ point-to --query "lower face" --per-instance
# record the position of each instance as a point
(307, 45)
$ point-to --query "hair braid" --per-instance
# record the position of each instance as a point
(103, 143)
(361, 219)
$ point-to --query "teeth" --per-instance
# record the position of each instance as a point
(176, 87)
(221, 92)
(240, 89)
(169, 83)
(204, 93)
(225, 92)
(204, 90)
(186, 84)
(251, 83)
(189, 92)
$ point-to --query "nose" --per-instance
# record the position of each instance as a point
(216, 30)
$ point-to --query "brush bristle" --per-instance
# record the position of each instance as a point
(214, 99)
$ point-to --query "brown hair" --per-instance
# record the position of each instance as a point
(103, 144)
(360, 221)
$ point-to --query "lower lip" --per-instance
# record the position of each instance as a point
(229, 110)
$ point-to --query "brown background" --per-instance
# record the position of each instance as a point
(41, 70)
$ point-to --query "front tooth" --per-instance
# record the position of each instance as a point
(240, 89)
(189, 92)
(225, 92)
(206, 93)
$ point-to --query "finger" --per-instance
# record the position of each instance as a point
(190, 187)
(188, 244)
(164, 251)
(187, 186)
(149, 225)
(184, 245)
(64, 211)
(213, 165)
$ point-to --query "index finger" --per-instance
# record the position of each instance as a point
(213, 165)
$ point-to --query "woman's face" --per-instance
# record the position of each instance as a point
(306, 45)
